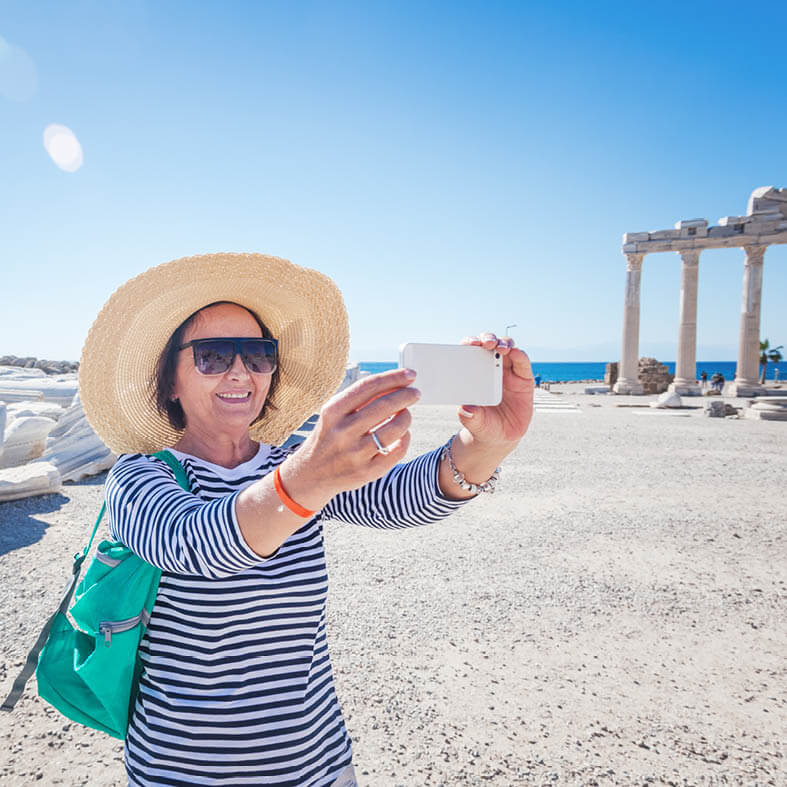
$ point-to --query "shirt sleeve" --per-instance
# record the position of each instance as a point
(172, 528)
(408, 495)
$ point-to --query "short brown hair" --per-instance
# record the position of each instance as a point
(163, 379)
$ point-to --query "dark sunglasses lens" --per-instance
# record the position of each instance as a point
(214, 357)
(259, 355)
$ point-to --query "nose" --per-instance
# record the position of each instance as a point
(238, 370)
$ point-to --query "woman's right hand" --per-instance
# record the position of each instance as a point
(340, 453)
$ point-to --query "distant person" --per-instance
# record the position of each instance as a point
(776, 375)
(715, 381)
(537, 378)
(704, 379)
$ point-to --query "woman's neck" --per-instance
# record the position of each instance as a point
(221, 450)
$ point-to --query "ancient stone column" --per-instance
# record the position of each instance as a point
(685, 382)
(746, 381)
(629, 360)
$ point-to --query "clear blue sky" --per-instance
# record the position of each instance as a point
(453, 166)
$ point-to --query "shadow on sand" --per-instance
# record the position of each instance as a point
(18, 524)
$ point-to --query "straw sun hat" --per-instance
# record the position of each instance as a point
(303, 309)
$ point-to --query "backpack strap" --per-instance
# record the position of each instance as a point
(32, 657)
(176, 467)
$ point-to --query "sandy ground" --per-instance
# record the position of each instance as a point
(614, 614)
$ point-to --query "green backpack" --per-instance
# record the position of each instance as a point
(91, 673)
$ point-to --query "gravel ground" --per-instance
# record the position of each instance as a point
(614, 614)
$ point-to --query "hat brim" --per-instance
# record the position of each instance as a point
(303, 309)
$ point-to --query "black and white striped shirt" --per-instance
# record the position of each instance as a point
(237, 685)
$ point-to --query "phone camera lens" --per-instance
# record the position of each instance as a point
(497, 355)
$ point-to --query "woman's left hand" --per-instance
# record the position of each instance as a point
(508, 421)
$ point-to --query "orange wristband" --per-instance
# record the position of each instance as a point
(287, 500)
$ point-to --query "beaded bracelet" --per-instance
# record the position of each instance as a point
(486, 486)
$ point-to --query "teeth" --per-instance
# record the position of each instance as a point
(233, 395)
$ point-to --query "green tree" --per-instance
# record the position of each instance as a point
(768, 353)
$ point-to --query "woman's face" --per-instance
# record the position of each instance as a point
(215, 404)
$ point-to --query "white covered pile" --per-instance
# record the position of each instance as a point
(44, 436)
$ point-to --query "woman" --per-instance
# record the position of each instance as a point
(220, 357)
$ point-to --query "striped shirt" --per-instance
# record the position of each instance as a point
(237, 685)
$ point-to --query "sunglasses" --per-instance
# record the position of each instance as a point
(215, 356)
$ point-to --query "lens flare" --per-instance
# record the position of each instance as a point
(18, 79)
(63, 147)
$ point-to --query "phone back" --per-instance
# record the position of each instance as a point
(454, 373)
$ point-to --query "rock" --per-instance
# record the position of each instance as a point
(769, 408)
(38, 478)
(59, 389)
(9, 395)
(7, 370)
(46, 409)
(611, 373)
(352, 373)
(25, 440)
(668, 399)
(653, 376)
(74, 448)
(598, 389)
(715, 408)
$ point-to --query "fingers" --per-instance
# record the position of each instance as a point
(366, 390)
(489, 341)
(520, 364)
(394, 429)
(397, 450)
(383, 408)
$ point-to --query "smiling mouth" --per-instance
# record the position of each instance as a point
(234, 397)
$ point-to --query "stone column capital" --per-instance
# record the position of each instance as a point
(634, 260)
(754, 254)
(690, 256)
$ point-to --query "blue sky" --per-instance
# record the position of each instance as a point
(455, 167)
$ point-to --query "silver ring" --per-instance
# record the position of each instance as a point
(381, 449)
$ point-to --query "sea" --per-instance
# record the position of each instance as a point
(558, 372)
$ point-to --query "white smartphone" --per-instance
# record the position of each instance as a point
(454, 373)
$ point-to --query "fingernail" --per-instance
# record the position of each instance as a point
(416, 392)
(467, 410)
(409, 374)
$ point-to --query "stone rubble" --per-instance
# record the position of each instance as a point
(36, 478)
(653, 376)
(716, 408)
(668, 399)
(769, 408)
(30, 363)
(45, 439)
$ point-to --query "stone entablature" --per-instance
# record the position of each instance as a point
(765, 224)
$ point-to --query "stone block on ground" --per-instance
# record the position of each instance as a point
(13, 395)
(74, 448)
(25, 440)
(597, 389)
(772, 408)
(669, 399)
(59, 389)
(37, 478)
(611, 374)
(715, 408)
(44, 408)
